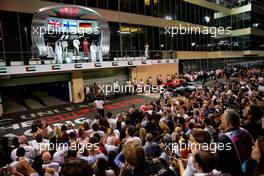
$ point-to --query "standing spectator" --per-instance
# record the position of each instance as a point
(135, 156)
(252, 114)
(230, 161)
(99, 104)
(102, 169)
(134, 83)
(258, 155)
(159, 80)
(30, 151)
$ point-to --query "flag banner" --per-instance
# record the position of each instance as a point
(78, 65)
(54, 23)
(114, 63)
(130, 63)
(30, 68)
(70, 26)
(98, 64)
(55, 67)
(3, 70)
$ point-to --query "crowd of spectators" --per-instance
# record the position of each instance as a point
(214, 130)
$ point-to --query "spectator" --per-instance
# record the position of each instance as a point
(99, 104)
(30, 151)
(135, 157)
(251, 115)
(258, 155)
(102, 169)
(76, 167)
(240, 141)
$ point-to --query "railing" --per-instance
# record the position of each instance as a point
(20, 58)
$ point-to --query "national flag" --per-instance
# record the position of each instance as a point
(70, 24)
(3, 70)
(78, 65)
(98, 64)
(30, 68)
(54, 23)
(130, 62)
(55, 67)
(114, 63)
(85, 26)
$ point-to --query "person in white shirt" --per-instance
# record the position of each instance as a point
(99, 55)
(30, 151)
(94, 155)
(93, 52)
(99, 104)
(111, 121)
(60, 154)
(111, 140)
(49, 51)
(20, 156)
(41, 145)
(48, 163)
(146, 46)
(76, 44)
(64, 45)
(58, 52)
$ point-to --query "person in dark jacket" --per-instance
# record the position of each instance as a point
(237, 141)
